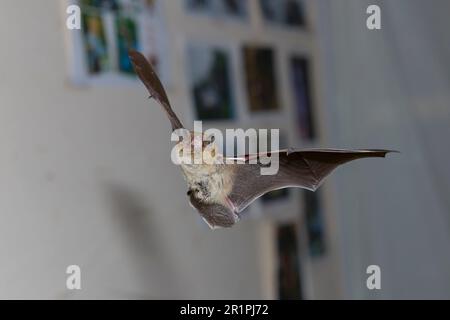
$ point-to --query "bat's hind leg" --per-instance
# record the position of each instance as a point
(233, 209)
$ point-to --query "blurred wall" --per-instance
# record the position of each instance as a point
(390, 89)
(86, 177)
(87, 180)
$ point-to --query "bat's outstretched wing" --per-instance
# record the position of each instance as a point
(305, 169)
(151, 81)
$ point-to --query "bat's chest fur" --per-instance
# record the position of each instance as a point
(209, 183)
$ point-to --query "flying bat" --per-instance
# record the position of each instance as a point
(220, 190)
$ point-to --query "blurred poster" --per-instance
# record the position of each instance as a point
(210, 82)
(314, 223)
(261, 82)
(234, 8)
(283, 12)
(95, 46)
(101, 4)
(109, 29)
(126, 29)
(302, 97)
(205, 6)
(219, 8)
(289, 286)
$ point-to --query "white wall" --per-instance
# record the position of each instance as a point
(86, 180)
(390, 89)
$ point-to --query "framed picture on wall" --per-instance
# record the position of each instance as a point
(209, 73)
(301, 91)
(99, 51)
(95, 46)
(222, 9)
(127, 37)
(288, 13)
(261, 81)
(289, 281)
(314, 223)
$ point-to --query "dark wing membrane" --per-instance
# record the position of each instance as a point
(215, 214)
(305, 169)
(151, 81)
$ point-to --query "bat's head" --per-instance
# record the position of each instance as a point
(198, 148)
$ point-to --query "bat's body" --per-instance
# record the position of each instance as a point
(220, 191)
(211, 185)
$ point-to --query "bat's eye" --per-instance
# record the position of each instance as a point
(189, 192)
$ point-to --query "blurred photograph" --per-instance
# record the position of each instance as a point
(259, 66)
(205, 6)
(101, 4)
(289, 286)
(283, 12)
(312, 210)
(95, 45)
(110, 29)
(127, 38)
(233, 8)
(210, 82)
(302, 97)
(219, 8)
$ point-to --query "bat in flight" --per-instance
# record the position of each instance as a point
(220, 191)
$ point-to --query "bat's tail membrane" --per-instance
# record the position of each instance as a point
(148, 76)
